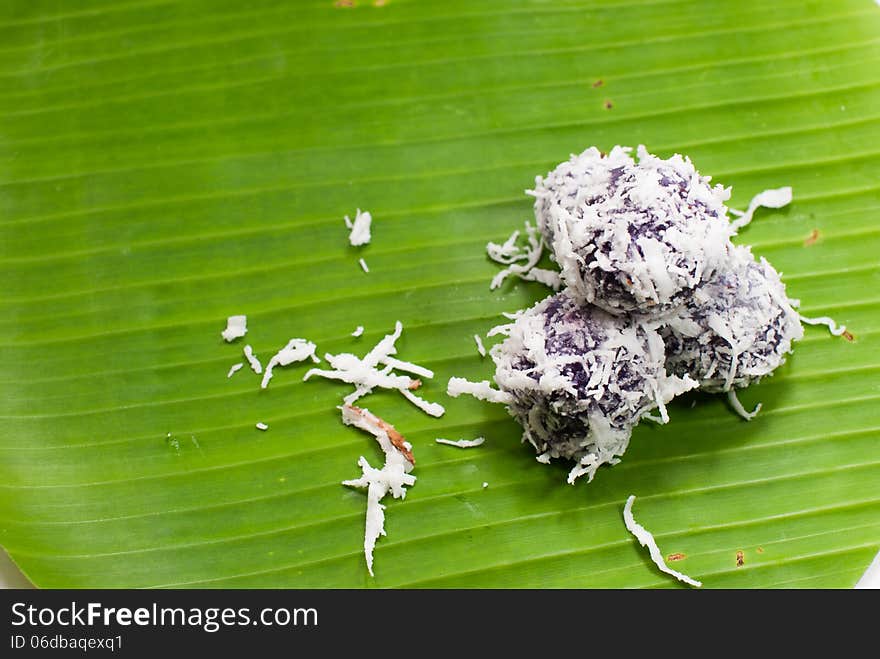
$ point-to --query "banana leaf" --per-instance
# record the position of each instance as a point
(165, 164)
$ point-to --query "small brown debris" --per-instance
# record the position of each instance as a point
(380, 3)
(398, 440)
(812, 238)
(344, 4)
(760, 550)
(675, 557)
(849, 337)
(607, 104)
(415, 384)
(598, 83)
(740, 558)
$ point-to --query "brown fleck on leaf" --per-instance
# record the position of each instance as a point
(608, 104)
(812, 238)
(380, 3)
(740, 558)
(675, 557)
(599, 83)
(398, 440)
(760, 550)
(849, 337)
(344, 4)
(415, 384)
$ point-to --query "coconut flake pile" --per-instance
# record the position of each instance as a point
(359, 229)
(366, 375)
(646, 539)
(394, 476)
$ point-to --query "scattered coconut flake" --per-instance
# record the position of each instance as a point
(646, 539)
(252, 359)
(236, 327)
(485, 485)
(480, 390)
(522, 261)
(360, 228)
(296, 350)
(358, 331)
(738, 407)
(825, 320)
(364, 374)
(262, 426)
(480, 347)
(409, 367)
(768, 199)
(363, 265)
(233, 369)
(393, 477)
(361, 417)
(462, 443)
(432, 409)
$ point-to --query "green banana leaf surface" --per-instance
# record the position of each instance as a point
(165, 164)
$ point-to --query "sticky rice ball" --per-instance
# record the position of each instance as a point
(736, 329)
(632, 237)
(580, 379)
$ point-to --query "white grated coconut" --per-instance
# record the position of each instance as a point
(394, 477)
(738, 407)
(363, 265)
(480, 347)
(236, 327)
(358, 331)
(252, 360)
(777, 198)
(296, 350)
(233, 369)
(828, 322)
(360, 228)
(646, 539)
(262, 426)
(480, 390)
(366, 376)
(462, 443)
(522, 261)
